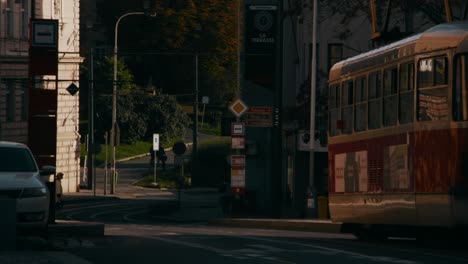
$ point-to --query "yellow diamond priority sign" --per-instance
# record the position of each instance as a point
(238, 107)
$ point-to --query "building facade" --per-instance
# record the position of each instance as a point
(15, 81)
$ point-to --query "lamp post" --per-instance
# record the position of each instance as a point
(114, 97)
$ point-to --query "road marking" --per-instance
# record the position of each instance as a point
(72, 243)
(221, 252)
(94, 216)
(339, 251)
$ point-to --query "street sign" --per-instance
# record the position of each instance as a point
(238, 161)
(72, 89)
(155, 142)
(238, 107)
(238, 172)
(237, 129)
(237, 142)
(259, 117)
(179, 148)
(44, 33)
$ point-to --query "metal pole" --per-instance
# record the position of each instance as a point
(448, 11)
(203, 115)
(114, 99)
(239, 48)
(106, 136)
(195, 110)
(92, 171)
(276, 189)
(312, 100)
(154, 165)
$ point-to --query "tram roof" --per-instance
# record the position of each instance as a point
(442, 36)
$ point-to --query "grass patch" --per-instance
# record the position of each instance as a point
(210, 130)
(122, 151)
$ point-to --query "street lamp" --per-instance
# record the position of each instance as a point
(114, 95)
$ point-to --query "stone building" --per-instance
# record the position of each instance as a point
(15, 81)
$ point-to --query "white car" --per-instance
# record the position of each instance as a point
(20, 179)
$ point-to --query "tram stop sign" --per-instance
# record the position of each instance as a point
(179, 148)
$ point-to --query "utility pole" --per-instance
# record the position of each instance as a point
(277, 147)
(313, 89)
(91, 155)
(195, 111)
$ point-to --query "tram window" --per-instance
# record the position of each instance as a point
(440, 73)
(347, 110)
(425, 73)
(361, 89)
(390, 97)
(334, 110)
(360, 110)
(406, 77)
(432, 72)
(460, 94)
(432, 104)
(375, 85)
(347, 93)
(432, 99)
(406, 93)
(390, 81)
(375, 100)
(334, 96)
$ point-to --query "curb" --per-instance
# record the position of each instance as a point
(281, 224)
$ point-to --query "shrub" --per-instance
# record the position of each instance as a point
(210, 167)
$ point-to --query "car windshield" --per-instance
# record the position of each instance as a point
(16, 160)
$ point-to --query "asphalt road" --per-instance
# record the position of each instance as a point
(140, 229)
(137, 232)
(192, 243)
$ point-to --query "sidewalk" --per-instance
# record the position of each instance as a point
(197, 205)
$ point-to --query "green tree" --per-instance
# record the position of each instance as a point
(104, 76)
(139, 114)
(163, 48)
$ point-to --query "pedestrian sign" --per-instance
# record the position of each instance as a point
(155, 142)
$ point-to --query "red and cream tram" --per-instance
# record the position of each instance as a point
(398, 133)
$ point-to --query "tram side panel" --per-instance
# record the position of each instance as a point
(371, 182)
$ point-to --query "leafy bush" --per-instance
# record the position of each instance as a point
(210, 167)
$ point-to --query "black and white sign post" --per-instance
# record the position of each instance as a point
(155, 149)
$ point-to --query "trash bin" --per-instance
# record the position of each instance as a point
(322, 204)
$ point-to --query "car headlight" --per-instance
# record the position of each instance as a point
(34, 192)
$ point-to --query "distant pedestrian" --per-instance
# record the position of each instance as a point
(161, 155)
(152, 156)
(225, 199)
(58, 190)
